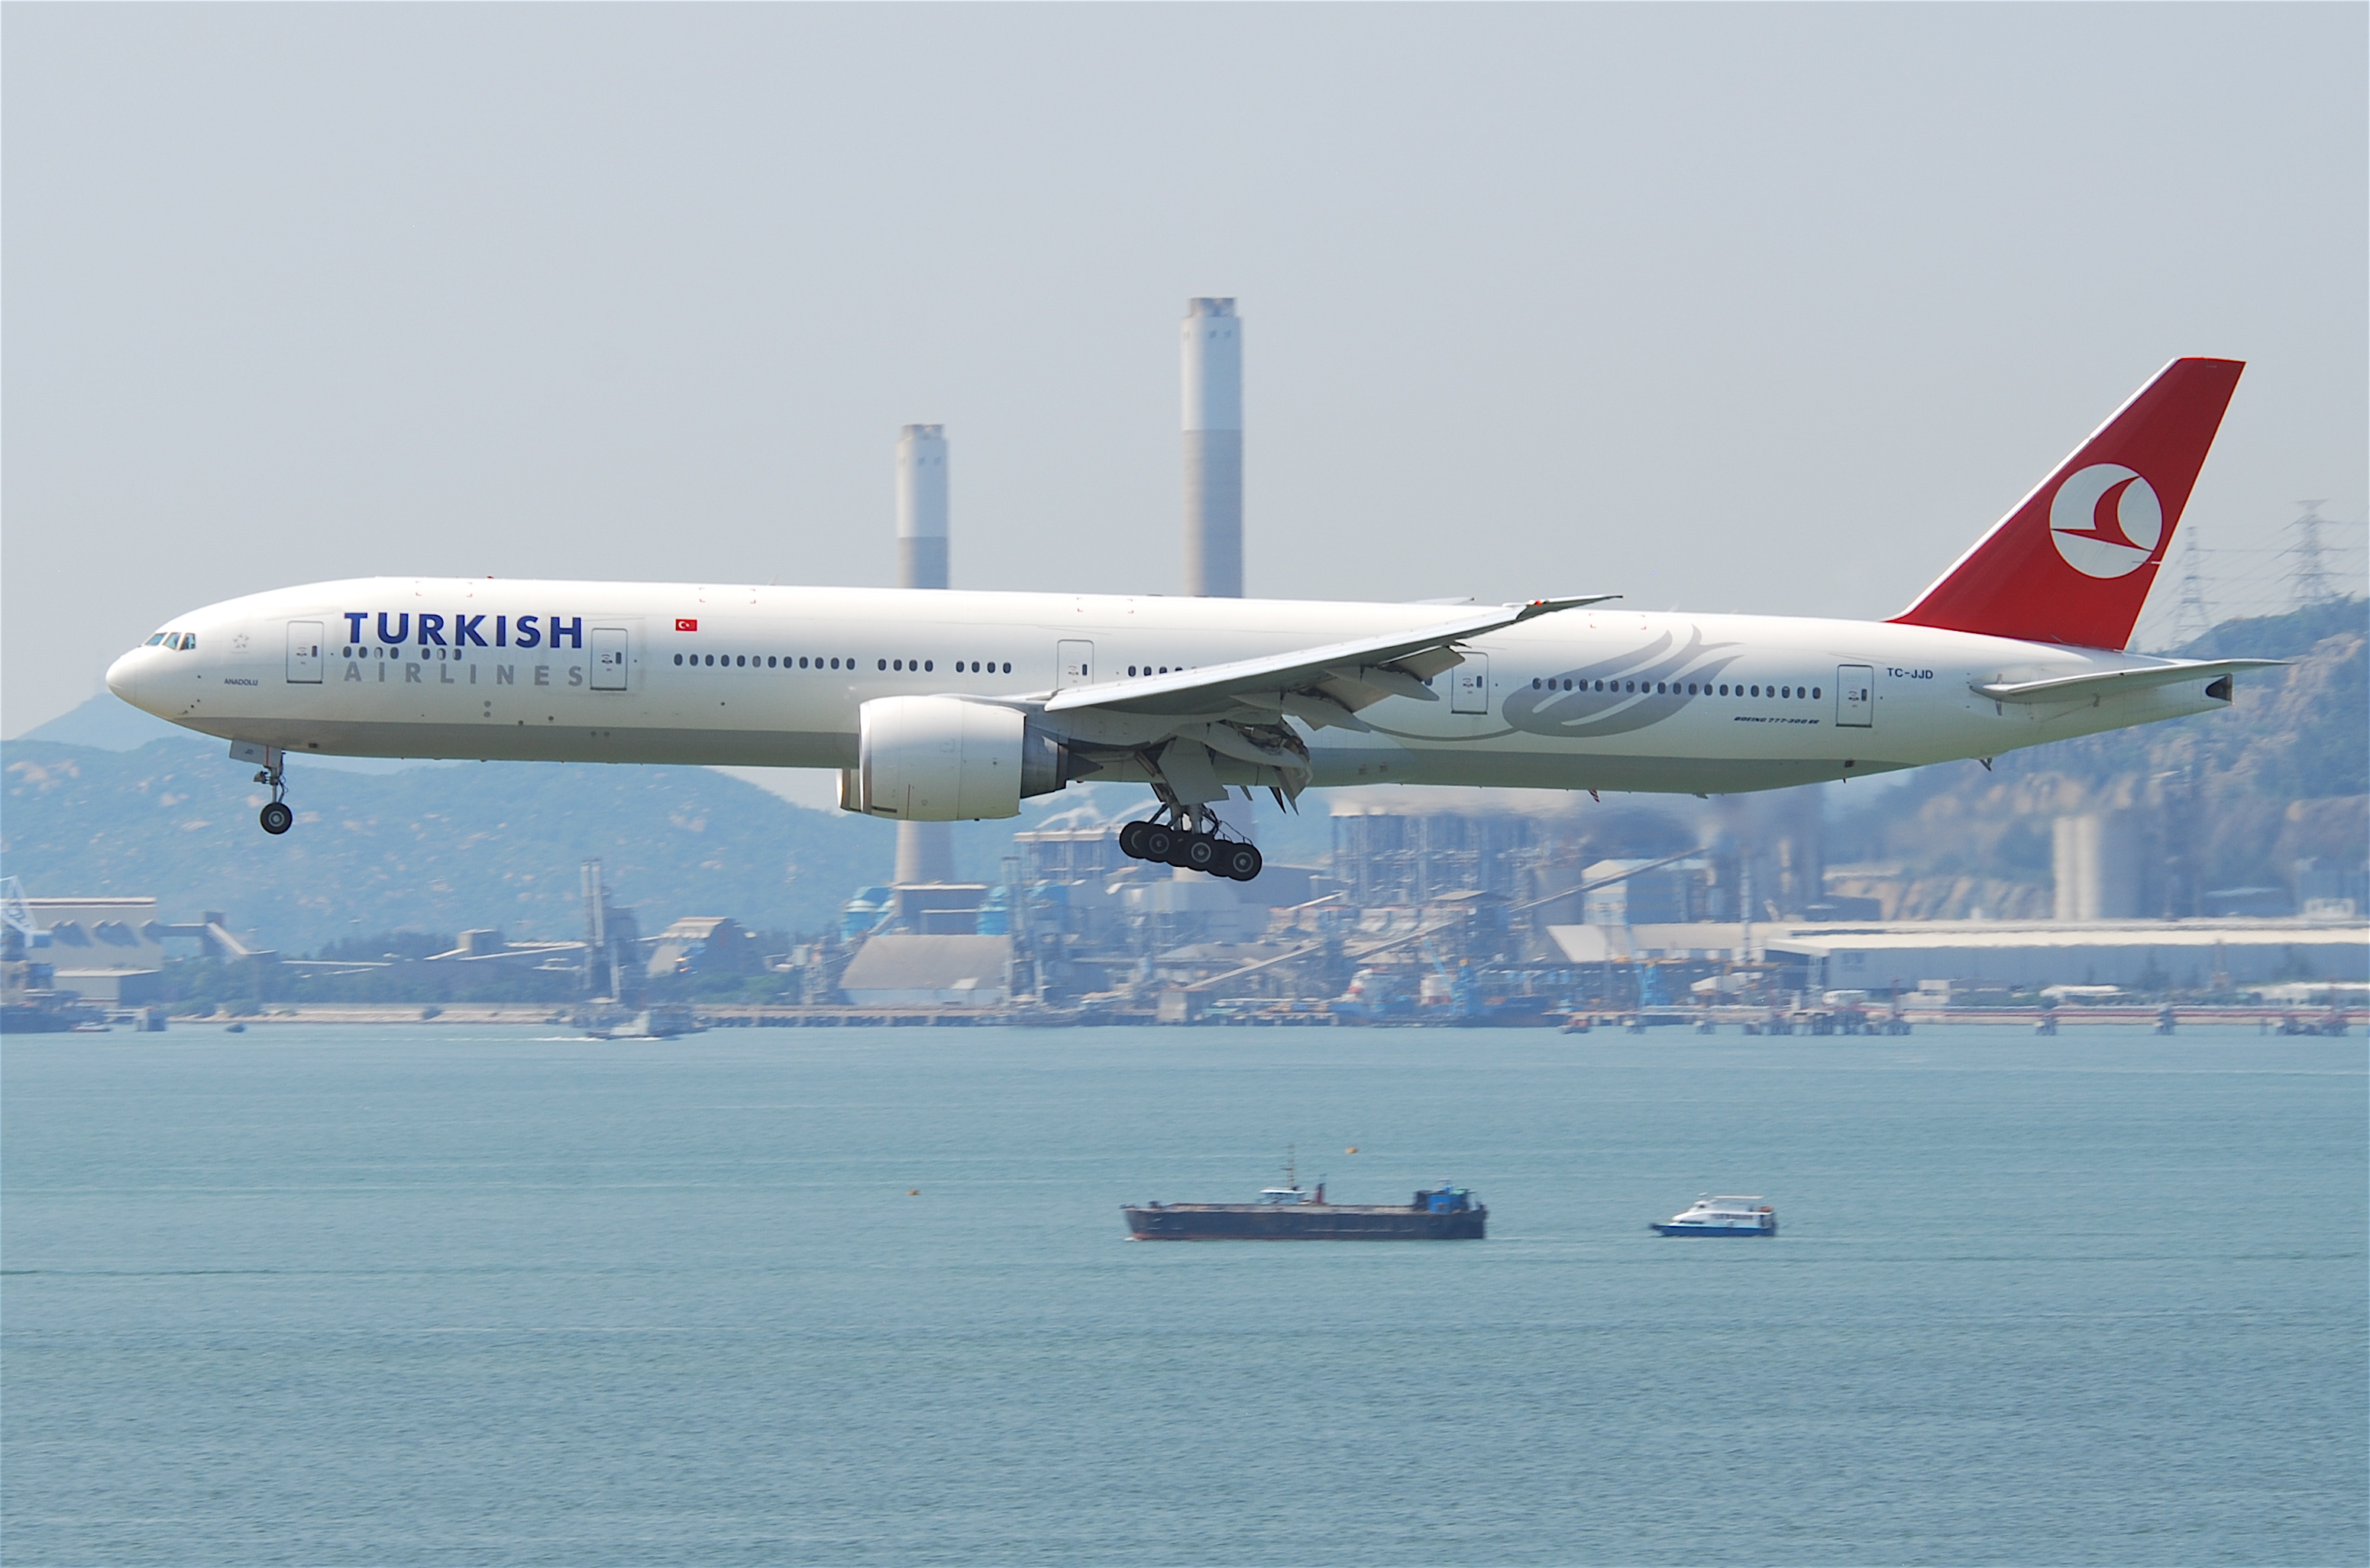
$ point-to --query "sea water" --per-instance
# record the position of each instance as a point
(433, 1294)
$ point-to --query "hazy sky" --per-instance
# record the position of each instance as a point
(1733, 308)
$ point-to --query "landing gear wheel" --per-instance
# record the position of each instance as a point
(1156, 842)
(1199, 852)
(1241, 861)
(277, 818)
(1131, 840)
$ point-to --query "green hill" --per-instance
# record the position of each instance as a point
(2233, 798)
(433, 848)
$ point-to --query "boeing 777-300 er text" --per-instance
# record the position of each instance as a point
(941, 706)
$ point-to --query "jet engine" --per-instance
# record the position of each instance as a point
(949, 759)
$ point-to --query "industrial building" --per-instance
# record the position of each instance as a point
(111, 950)
(917, 972)
(2189, 955)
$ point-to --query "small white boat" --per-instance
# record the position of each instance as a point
(1721, 1216)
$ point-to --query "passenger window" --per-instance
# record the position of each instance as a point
(1814, 693)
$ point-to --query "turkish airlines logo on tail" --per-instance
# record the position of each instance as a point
(2106, 519)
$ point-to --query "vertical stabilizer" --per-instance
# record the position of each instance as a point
(2074, 560)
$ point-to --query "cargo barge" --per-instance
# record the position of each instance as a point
(1288, 1214)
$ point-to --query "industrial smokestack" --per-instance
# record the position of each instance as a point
(925, 850)
(922, 507)
(1213, 449)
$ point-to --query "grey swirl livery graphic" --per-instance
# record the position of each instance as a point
(1628, 691)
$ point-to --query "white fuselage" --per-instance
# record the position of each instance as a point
(599, 671)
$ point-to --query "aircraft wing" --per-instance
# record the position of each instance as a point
(1344, 677)
(2109, 682)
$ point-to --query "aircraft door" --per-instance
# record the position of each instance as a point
(1073, 664)
(1854, 697)
(1469, 690)
(305, 653)
(610, 649)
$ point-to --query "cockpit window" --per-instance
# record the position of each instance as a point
(154, 640)
(188, 640)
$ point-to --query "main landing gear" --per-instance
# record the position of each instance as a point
(1174, 842)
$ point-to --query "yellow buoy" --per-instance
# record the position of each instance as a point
(1352, 1149)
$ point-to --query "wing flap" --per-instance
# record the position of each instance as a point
(1358, 662)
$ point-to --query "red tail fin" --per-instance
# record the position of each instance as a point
(2074, 562)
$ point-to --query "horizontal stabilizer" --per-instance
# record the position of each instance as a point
(2110, 683)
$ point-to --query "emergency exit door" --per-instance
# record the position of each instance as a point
(609, 658)
(1469, 692)
(305, 653)
(1856, 696)
(1073, 664)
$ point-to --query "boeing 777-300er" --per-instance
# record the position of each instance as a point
(941, 706)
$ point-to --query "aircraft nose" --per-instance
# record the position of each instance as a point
(124, 677)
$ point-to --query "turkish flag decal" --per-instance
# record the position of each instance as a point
(681, 625)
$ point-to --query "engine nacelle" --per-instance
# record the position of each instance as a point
(949, 759)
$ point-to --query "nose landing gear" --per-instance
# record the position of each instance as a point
(1173, 838)
(275, 816)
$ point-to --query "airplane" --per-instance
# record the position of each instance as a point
(940, 705)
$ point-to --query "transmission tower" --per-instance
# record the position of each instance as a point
(2190, 620)
(2308, 581)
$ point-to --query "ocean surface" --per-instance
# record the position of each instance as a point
(436, 1296)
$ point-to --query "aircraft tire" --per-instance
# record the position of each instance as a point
(1241, 861)
(276, 818)
(1156, 843)
(1131, 840)
(1199, 852)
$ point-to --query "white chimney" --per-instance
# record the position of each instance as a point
(925, 850)
(1213, 449)
(922, 507)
